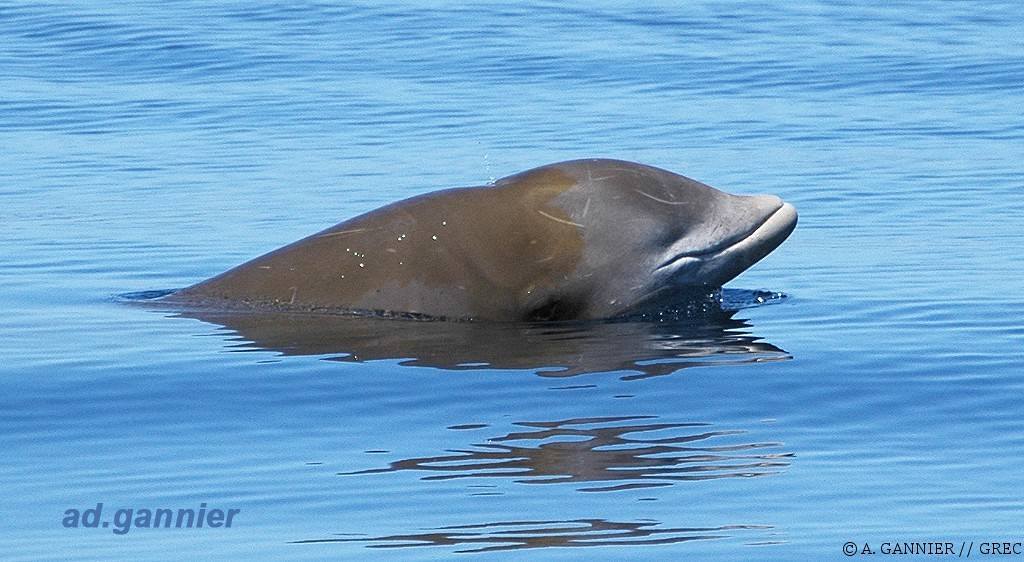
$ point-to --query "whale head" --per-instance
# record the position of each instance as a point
(649, 232)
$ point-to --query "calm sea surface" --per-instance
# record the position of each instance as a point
(147, 146)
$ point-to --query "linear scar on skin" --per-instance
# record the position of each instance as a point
(563, 221)
(591, 179)
(346, 232)
(660, 200)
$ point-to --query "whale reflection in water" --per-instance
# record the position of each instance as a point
(649, 344)
(521, 535)
(606, 454)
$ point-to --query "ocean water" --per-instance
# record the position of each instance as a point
(147, 146)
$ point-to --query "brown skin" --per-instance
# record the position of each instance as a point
(477, 252)
(579, 239)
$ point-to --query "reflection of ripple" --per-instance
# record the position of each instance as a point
(625, 455)
(516, 535)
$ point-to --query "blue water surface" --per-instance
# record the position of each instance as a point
(149, 145)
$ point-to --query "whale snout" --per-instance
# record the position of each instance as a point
(772, 221)
(779, 220)
(764, 205)
(763, 221)
(743, 230)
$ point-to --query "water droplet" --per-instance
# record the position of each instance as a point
(434, 237)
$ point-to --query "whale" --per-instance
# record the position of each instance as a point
(576, 240)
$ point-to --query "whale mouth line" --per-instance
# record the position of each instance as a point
(775, 221)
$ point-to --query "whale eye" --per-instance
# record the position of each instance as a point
(557, 308)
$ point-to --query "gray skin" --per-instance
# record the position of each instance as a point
(582, 239)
